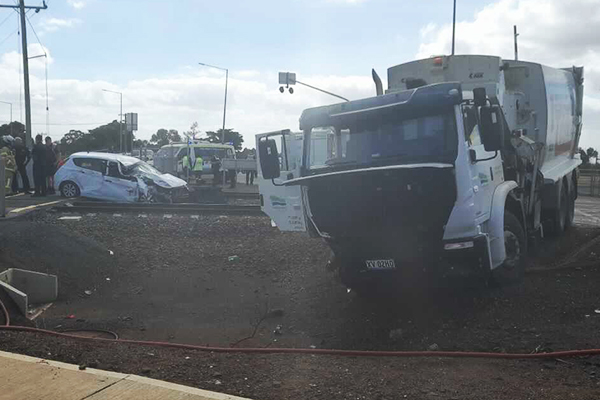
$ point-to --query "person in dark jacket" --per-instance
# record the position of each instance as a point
(39, 167)
(22, 157)
(51, 161)
(215, 166)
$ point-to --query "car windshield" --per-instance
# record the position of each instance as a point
(141, 168)
(424, 139)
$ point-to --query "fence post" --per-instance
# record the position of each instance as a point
(2, 188)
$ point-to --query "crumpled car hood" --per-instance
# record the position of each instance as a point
(166, 181)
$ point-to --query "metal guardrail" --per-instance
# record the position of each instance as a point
(588, 183)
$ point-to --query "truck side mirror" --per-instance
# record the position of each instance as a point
(269, 159)
(491, 128)
(479, 97)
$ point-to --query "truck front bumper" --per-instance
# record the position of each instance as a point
(461, 258)
(465, 257)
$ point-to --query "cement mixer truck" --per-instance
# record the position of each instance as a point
(456, 169)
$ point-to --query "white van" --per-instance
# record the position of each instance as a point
(169, 158)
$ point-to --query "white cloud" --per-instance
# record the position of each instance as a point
(77, 4)
(551, 32)
(254, 103)
(54, 24)
(427, 29)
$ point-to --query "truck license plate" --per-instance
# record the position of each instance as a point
(380, 264)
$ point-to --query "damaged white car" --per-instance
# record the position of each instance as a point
(116, 177)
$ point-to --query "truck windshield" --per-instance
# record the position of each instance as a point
(430, 138)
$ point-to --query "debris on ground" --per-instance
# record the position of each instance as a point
(278, 329)
(88, 292)
(433, 347)
(233, 258)
(395, 334)
(275, 313)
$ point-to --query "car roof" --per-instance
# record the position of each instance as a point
(125, 160)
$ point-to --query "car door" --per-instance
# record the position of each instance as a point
(118, 187)
(283, 204)
(89, 175)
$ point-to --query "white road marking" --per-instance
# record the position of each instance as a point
(195, 216)
(71, 218)
(18, 210)
(143, 215)
(117, 215)
(167, 216)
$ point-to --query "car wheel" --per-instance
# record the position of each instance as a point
(515, 242)
(69, 189)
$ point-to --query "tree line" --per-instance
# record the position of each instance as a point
(106, 137)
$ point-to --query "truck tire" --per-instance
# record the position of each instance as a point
(513, 268)
(559, 217)
(571, 207)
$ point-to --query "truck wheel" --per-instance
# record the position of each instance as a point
(559, 217)
(513, 268)
(570, 208)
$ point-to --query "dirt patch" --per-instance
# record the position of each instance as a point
(79, 261)
(327, 377)
(211, 280)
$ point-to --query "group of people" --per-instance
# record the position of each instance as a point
(16, 155)
(186, 169)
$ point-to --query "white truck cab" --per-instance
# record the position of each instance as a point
(450, 171)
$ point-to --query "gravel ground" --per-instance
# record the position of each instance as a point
(171, 279)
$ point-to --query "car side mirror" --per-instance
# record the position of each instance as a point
(491, 127)
(269, 159)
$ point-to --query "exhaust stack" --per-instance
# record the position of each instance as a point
(377, 80)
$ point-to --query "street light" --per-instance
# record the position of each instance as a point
(225, 101)
(120, 119)
(9, 122)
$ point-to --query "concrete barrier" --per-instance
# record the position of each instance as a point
(29, 287)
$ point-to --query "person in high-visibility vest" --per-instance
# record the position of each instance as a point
(185, 163)
(9, 163)
(198, 168)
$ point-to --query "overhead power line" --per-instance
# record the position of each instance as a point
(66, 123)
(7, 17)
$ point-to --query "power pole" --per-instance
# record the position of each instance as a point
(28, 140)
(453, 25)
(516, 48)
(21, 6)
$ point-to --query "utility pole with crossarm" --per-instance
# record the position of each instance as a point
(22, 7)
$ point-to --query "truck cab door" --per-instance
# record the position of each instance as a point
(486, 172)
(283, 204)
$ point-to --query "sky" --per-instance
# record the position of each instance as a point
(149, 50)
